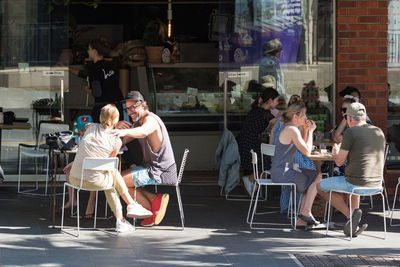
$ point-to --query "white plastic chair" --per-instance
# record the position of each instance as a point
(39, 150)
(269, 150)
(178, 192)
(394, 203)
(95, 164)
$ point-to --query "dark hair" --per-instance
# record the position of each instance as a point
(294, 109)
(101, 45)
(294, 99)
(268, 93)
(254, 86)
(348, 90)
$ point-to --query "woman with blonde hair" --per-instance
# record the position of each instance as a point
(283, 170)
(99, 143)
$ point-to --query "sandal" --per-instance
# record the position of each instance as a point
(309, 220)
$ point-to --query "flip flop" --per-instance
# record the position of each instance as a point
(309, 220)
(360, 230)
(356, 218)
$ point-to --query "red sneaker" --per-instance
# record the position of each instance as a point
(159, 207)
(148, 221)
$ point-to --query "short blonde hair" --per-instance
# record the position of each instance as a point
(108, 115)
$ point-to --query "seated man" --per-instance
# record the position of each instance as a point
(363, 146)
(158, 165)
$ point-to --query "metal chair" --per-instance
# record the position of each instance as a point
(269, 150)
(178, 192)
(394, 204)
(39, 150)
(94, 164)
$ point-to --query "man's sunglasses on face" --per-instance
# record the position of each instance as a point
(132, 107)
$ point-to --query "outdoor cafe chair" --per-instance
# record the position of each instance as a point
(94, 164)
(268, 150)
(39, 150)
(394, 204)
(178, 192)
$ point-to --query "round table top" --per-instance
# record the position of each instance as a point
(320, 157)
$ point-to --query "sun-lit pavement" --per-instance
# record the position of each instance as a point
(216, 234)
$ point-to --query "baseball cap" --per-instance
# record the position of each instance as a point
(272, 45)
(82, 121)
(356, 109)
(134, 96)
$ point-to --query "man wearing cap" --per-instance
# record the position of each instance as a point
(363, 146)
(158, 166)
(269, 65)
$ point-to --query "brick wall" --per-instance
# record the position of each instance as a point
(361, 59)
(361, 54)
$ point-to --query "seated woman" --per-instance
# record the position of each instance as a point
(99, 143)
(282, 169)
(301, 160)
(256, 122)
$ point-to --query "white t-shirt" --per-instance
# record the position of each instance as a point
(96, 143)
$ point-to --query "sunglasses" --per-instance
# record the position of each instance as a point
(344, 110)
(132, 107)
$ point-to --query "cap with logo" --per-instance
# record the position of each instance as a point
(82, 121)
(134, 96)
(356, 109)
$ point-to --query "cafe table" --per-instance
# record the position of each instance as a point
(55, 154)
(328, 157)
(13, 126)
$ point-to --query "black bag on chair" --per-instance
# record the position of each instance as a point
(64, 140)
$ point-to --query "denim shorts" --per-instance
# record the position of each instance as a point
(140, 177)
(340, 183)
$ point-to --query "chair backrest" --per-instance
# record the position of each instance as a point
(266, 150)
(99, 164)
(254, 163)
(46, 128)
(182, 165)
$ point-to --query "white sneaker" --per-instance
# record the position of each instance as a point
(248, 185)
(123, 227)
(137, 211)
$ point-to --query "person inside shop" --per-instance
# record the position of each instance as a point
(158, 166)
(102, 75)
(283, 170)
(269, 65)
(363, 147)
(99, 142)
(255, 124)
(300, 160)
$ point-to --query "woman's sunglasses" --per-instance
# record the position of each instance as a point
(344, 110)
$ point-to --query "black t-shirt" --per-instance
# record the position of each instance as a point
(104, 82)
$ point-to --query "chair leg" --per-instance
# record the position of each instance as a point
(95, 210)
(384, 216)
(255, 207)
(62, 209)
(329, 212)
(351, 219)
(77, 208)
(394, 205)
(251, 203)
(178, 195)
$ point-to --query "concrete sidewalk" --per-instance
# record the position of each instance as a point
(216, 234)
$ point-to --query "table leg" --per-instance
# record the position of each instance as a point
(53, 212)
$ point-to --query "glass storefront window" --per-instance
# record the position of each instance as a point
(287, 44)
(393, 132)
(34, 42)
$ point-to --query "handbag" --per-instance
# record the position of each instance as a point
(64, 140)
